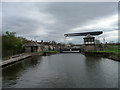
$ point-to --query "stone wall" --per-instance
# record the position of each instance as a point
(90, 47)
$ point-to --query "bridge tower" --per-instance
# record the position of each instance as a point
(89, 42)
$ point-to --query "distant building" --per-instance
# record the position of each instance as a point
(51, 45)
(32, 46)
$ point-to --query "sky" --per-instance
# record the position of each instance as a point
(51, 20)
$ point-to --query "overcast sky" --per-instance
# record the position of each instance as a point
(51, 20)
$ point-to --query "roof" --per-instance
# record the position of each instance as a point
(31, 43)
(45, 43)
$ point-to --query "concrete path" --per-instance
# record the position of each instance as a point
(12, 60)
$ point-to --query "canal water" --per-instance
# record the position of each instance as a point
(68, 70)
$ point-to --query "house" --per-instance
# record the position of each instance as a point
(32, 46)
(48, 45)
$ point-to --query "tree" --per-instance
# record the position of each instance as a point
(10, 33)
(11, 44)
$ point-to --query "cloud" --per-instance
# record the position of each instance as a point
(111, 36)
(51, 20)
(107, 24)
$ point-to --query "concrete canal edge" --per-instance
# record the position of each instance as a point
(13, 60)
(104, 54)
(22, 57)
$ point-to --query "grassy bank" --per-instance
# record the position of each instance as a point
(110, 49)
(114, 51)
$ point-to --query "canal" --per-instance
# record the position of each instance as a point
(68, 70)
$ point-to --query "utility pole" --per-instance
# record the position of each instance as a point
(104, 40)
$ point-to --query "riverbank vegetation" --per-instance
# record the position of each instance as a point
(114, 51)
(11, 44)
(110, 49)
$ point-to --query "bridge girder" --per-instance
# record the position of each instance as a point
(83, 34)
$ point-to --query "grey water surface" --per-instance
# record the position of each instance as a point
(68, 70)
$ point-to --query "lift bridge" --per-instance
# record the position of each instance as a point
(89, 41)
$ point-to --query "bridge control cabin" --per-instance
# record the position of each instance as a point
(89, 42)
(89, 39)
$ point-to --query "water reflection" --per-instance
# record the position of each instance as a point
(70, 70)
(13, 72)
(101, 71)
(92, 63)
